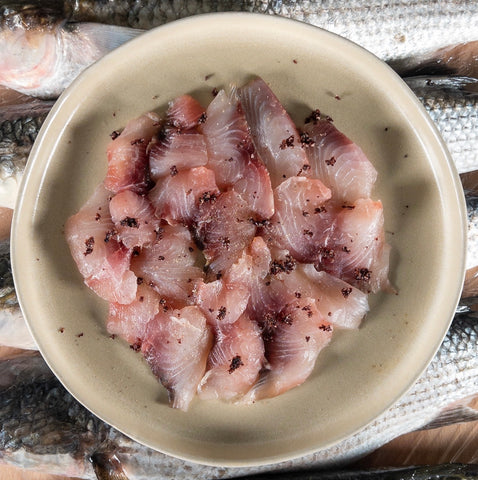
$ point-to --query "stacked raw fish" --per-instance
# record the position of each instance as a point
(230, 245)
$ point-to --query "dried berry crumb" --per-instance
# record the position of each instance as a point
(306, 140)
(326, 328)
(173, 171)
(61, 329)
(214, 92)
(287, 142)
(129, 222)
(362, 274)
(331, 161)
(314, 117)
(114, 134)
(236, 362)
(346, 291)
(89, 242)
(221, 313)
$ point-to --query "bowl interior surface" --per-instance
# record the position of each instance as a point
(362, 372)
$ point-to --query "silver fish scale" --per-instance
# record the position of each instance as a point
(472, 231)
(452, 103)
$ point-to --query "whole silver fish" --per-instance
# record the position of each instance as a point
(402, 32)
(452, 103)
(43, 428)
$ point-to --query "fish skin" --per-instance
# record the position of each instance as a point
(62, 437)
(452, 103)
(396, 30)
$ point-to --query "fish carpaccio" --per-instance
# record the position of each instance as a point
(230, 243)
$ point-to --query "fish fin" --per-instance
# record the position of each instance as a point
(452, 415)
(105, 37)
(107, 467)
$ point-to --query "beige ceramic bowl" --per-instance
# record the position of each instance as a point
(362, 372)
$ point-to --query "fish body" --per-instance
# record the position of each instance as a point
(452, 103)
(63, 437)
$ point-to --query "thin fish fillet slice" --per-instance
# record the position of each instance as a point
(358, 252)
(184, 113)
(127, 158)
(339, 163)
(177, 197)
(133, 216)
(293, 340)
(130, 321)
(298, 223)
(275, 136)
(169, 265)
(176, 347)
(176, 152)
(234, 362)
(101, 259)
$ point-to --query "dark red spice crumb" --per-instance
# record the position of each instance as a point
(386, 129)
(136, 346)
(207, 197)
(305, 213)
(307, 338)
(331, 161)
(141, 299)
(362, 274)
(208, 76)
(221, 313)
(306, 140)
(202, 118)
(97, 217)
(214, 92)
(113, 336)
(329, 119)
(337, 97)
(326, 328)
(114, 134)
(304, 168)
(327, 253)
(346, 249)
(226, 242)
(346, 291)
(287, 319)
(236, 362)
(260, 223)
(89, 245)
(267, 283)
(218, 276)
(287, 265)
(314, 117)
(287, 142)
(294, 61)
(136, 251)
(191, 249)
(109, 234)
(307, 232)
(173, 171)
(298, 294)
(137, 141)
(139, 280)
(161, 258)
(129, 222)
(61, 329)
(349, 207)
(79, 335)
(321, 209)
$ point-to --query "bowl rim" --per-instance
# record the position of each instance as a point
(173, 27)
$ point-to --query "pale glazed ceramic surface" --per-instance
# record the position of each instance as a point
(362, 372)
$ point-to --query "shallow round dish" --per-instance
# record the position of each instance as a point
(362, 372)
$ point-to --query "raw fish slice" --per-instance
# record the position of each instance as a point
(299, 224)
(101, 259)
(176, 152)
(275, 136)
(177, 198)
(293, 340)
(185, 113)
(357, 251)
(169, 264)
(176, 346)
(256, 190)
(234, 362)
(127, 158)
(221, 302)
(133, 216)
(232, 155)
(339, 163)
(339, 302)
(130, 321)
(224, 228)
(228, 141)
